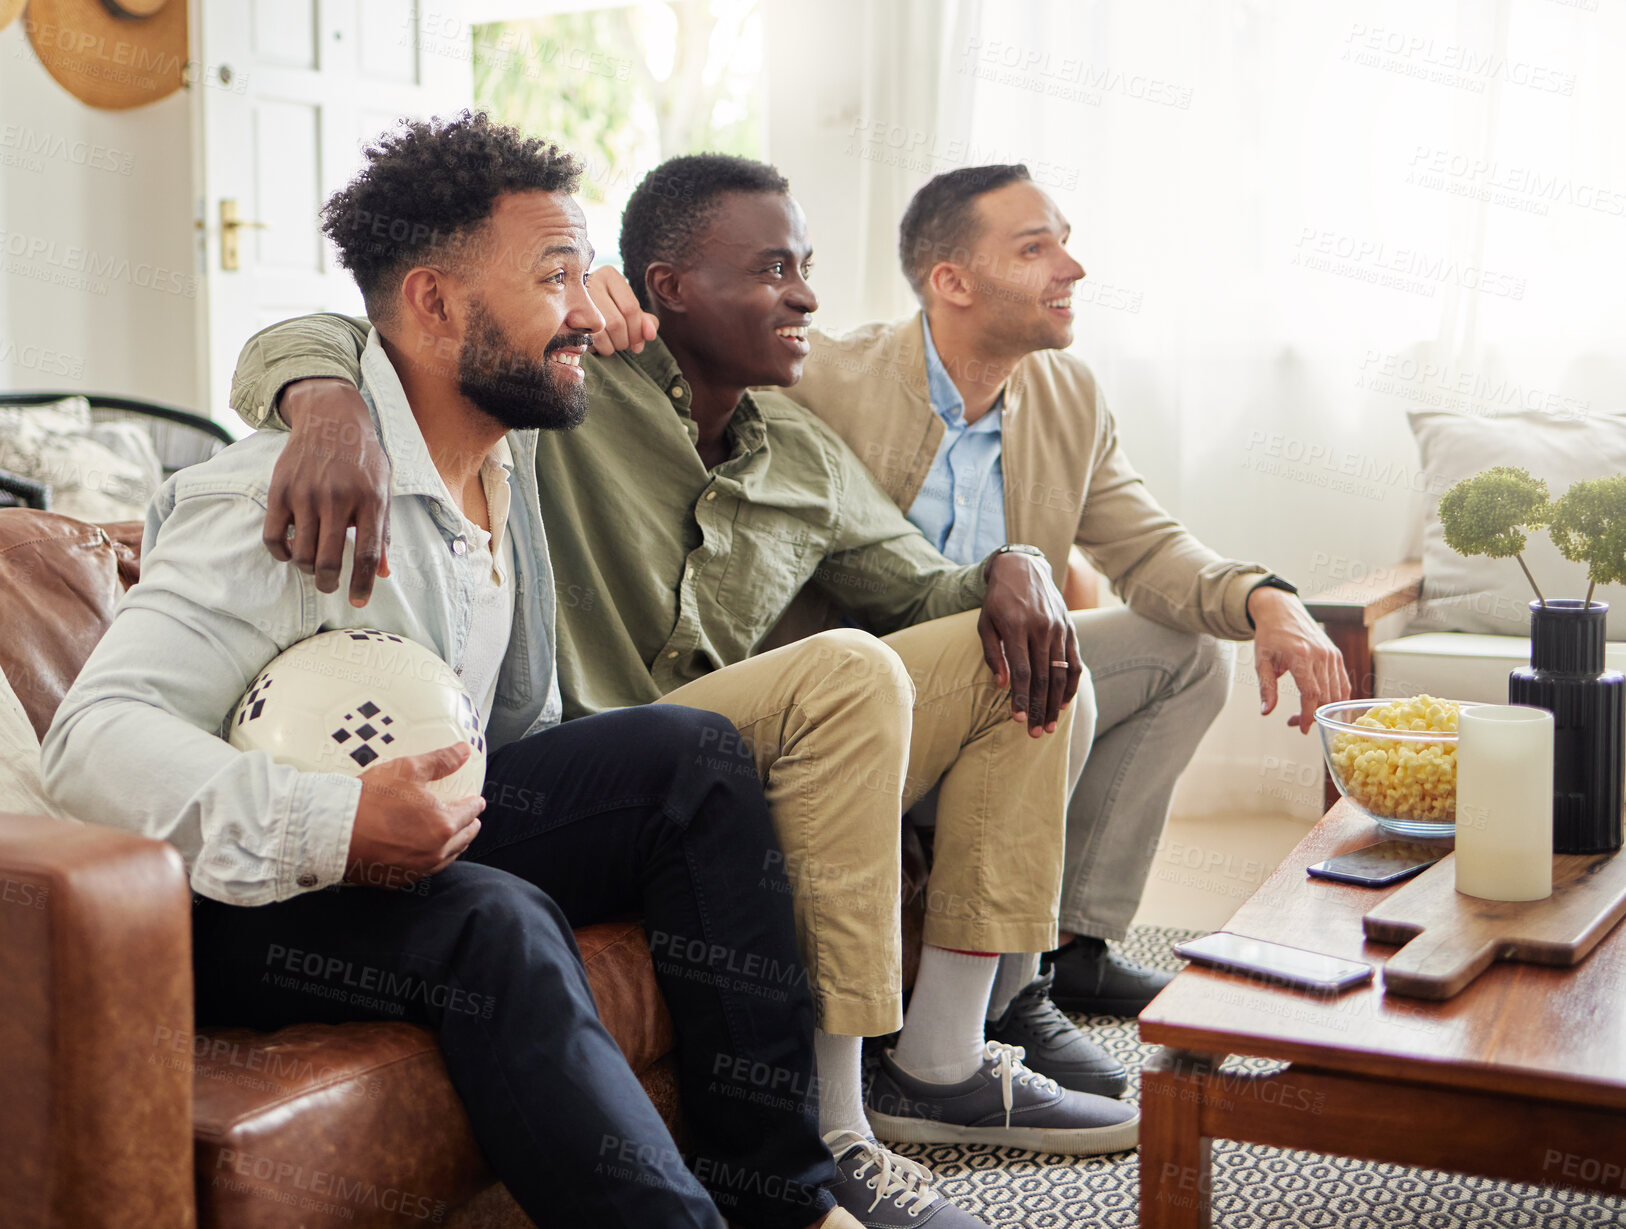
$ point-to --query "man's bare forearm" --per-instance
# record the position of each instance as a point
(305, 401)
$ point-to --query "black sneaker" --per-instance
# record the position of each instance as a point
(1055, 1046)
(1093, 980)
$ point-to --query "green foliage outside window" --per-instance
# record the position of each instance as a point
(625, 88)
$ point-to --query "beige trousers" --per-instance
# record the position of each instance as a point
(849, 730)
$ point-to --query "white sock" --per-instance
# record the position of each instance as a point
(942, 1036)
(1016, 973)
(840, 1068)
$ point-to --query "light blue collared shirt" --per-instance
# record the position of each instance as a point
(136, 743)
(961, 506)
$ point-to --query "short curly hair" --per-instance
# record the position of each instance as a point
(427, 190)
(941, 221)
(672, 206)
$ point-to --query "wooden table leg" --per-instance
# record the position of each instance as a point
(1355, 644)
(1176, 1176)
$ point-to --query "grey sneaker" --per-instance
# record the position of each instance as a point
(1055, 1046)
(883, 1190)
(1004, 1104)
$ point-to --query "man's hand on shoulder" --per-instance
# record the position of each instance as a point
(1287, 640)
(1028, 640)
(627, 326)
(333, 474)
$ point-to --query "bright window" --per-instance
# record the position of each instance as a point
(624, 88)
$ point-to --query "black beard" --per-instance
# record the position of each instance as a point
(518, 391)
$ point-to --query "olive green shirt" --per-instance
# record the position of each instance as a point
(667, 570)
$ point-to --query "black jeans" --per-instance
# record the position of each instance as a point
(655, 811)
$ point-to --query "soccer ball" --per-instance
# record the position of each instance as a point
(343, 701)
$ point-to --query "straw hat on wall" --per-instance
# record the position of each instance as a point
(110, 53)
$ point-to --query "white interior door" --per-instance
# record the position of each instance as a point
(288, 91)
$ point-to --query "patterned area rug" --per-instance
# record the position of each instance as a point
(1254, 1187)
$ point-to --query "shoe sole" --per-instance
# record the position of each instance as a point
(1069, 1141)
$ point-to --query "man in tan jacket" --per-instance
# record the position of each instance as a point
(983, 429)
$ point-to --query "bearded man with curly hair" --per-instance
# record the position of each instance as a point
(327, 898)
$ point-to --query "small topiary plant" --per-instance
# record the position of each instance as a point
(1491, 514)
(1589, 526)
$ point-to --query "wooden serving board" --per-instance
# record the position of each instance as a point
(1450, 939)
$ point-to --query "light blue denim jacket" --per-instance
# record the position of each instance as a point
(136, 743)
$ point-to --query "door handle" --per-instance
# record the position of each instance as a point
(230, 224)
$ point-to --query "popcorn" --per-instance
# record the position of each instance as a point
(1402, 778)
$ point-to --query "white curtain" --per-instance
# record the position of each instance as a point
(859, 92)
(1299, 221)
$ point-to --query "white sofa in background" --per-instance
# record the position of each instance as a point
(1457, 665)
(1466, 619)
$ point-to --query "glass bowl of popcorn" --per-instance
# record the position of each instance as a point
(1396, 760)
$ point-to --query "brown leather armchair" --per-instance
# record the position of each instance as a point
(117, 1112)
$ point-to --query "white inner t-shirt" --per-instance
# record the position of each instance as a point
(493, 603)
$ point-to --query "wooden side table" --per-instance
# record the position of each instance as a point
(1522, 1076)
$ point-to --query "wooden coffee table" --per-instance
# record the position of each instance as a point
(1522, 1076)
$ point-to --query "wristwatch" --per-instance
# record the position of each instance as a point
(1268, 581)
(1013, 548)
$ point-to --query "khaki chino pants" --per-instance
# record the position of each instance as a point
(847, 731)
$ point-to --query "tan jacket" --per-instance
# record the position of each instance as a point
(1067, 480)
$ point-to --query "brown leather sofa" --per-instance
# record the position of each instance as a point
(115, 1111)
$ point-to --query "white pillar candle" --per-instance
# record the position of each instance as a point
(1505, 802)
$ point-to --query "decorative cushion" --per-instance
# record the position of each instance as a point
(1492, 596)
(96, 471)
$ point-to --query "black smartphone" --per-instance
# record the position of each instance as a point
(1376, 866)
(1292, 966)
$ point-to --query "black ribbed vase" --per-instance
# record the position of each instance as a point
(1566, 676)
